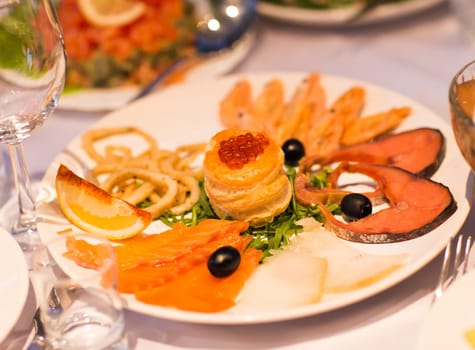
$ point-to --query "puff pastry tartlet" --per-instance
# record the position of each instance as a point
(244, 177)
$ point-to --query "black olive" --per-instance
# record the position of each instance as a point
(355, 206)
(224, 261)
(294, 150)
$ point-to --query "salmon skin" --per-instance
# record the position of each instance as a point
(419, 151)
(417, 205)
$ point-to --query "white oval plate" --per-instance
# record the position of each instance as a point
(450, 317)
(94, 100)
(14, 282)
(340, 17)
(188, 113)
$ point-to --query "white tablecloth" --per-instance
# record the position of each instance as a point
(414, 56)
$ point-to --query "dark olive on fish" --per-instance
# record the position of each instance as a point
(224, 261)
(294, 150)
(355, 206)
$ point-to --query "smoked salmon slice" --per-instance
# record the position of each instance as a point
(147, 276)
(153, 266)
(416, 206)
(85, 254)
(419, 151)
(170, 245)
(197, 290)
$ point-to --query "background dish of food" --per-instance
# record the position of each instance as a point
(107, 99)
(121, 43)
(166, 120)
(339, 17)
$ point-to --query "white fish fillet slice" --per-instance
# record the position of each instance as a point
(316, 262)
(286, 280)
(348, 268)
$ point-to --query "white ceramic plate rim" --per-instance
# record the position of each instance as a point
(14, 282)
(96, 100)
(451, 316)
(339, 17)
(188, 113)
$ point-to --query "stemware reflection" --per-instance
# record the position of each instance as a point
(32, 71)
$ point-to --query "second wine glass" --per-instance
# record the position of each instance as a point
(462, 108)
(32, 72)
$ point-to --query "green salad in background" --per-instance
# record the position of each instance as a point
(328, 4)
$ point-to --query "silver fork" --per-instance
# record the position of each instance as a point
(455, 263)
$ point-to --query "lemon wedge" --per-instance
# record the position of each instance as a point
(94, 210)
(111, 13)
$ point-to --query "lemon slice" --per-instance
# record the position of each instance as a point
(111, 13)
(94, 210)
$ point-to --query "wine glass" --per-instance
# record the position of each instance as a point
(32, 73)
(462, 108)
(75, 277)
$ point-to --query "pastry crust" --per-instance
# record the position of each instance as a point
(256, 192)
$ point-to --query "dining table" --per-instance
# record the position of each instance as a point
(416, 55)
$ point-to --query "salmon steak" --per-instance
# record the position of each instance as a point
(416, 205)
(419, 151)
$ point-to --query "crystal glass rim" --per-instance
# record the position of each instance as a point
(459, 113)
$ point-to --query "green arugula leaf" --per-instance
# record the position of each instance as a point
(320, 179)
(273, 235)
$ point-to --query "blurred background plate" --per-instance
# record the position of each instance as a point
(107, 99)
(341, 17)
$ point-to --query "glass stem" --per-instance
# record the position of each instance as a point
(26, 222)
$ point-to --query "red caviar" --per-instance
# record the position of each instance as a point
(239, 150)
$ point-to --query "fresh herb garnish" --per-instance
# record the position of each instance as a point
(273, 235)
(320, 179)
(145, 203)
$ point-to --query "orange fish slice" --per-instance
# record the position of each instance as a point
(147, 276)
(172, 244)
(197, 290)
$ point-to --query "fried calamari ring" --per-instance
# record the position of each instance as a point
(148, 176)
(90, 137)
(160, 182)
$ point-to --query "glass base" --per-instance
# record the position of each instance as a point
(26, 234)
